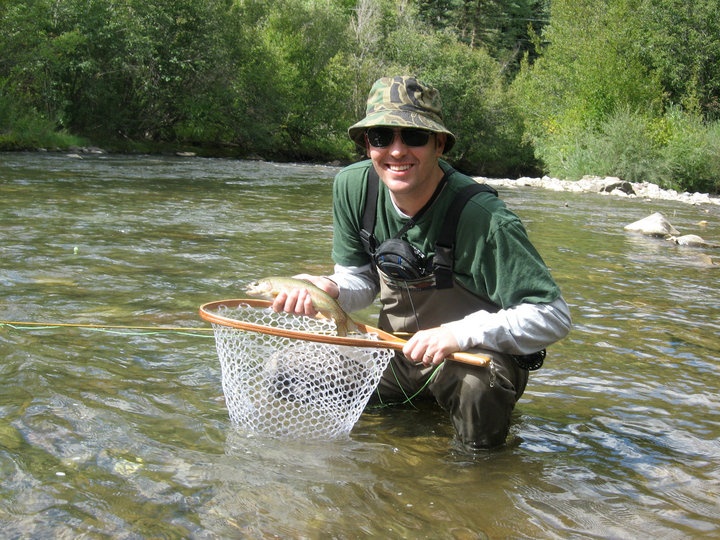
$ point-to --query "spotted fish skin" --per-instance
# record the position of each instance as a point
(268, 288)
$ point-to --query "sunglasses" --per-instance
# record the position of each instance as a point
(380, 137)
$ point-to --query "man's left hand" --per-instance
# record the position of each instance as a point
(432, 346)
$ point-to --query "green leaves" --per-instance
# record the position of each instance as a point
(522, 86)
(612, 72)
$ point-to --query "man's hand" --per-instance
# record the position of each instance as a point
(298, 301)
(432, 346)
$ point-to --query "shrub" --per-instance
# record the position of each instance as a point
(692, 152)
(25, 129)
(676, 151)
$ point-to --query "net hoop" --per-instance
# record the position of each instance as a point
(209, 313)
(384, 339)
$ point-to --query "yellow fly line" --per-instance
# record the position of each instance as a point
(110, 328)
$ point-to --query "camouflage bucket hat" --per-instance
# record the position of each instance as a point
(402, 102)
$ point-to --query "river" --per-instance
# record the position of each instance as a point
(115, 424)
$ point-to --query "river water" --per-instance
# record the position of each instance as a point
(116, 426)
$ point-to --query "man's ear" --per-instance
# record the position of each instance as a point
(440, 140)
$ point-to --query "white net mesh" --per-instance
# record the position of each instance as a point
(287, 387)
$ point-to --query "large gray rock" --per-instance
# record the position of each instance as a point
(653, 225)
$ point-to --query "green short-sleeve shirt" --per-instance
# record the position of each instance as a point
(493, 256)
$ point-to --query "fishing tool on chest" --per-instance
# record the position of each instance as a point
(401, 260)
(292, 376)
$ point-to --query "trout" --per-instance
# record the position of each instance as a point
(268, 288)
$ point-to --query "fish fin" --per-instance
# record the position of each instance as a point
(346, 327)
(352, 327)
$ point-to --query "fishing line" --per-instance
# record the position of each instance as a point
(125, 330)
(412, 305)
(408, 399)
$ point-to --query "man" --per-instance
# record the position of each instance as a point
(500, 300)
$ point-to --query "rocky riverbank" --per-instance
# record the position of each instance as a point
(606, 185)
(589, 184)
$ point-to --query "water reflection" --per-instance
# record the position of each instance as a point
(124, 433)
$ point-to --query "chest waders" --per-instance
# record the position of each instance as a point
(409, 308)
(479, 400)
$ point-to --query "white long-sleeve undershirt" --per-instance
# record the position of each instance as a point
(358, 286)
(522, 329)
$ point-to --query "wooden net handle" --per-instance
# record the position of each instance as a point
(385, 341)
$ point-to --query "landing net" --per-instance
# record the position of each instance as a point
(291, 387)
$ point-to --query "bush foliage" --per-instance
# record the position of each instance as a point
(605, 98)
(619, 87)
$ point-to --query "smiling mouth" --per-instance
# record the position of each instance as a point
(399, 168)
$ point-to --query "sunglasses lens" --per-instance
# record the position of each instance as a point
(415, 137)
(380, 137)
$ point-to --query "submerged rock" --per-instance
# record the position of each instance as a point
(709, 261)
(691, 240)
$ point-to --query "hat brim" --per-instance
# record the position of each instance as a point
(399, 119)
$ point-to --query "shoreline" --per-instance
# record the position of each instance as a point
(605, 186)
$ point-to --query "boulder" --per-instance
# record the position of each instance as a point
(653, 225)
(618, 186)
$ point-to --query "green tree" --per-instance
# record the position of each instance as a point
(681, 42)
(588, 71)
(604, 99)
(616, 87)
(312, 34)
(503, 27)
(134, 69)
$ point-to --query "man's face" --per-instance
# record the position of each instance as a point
(407, 170)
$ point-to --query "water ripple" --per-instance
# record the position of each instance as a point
(125, 434)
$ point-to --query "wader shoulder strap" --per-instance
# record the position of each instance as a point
(368, 219)
(443, 259)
